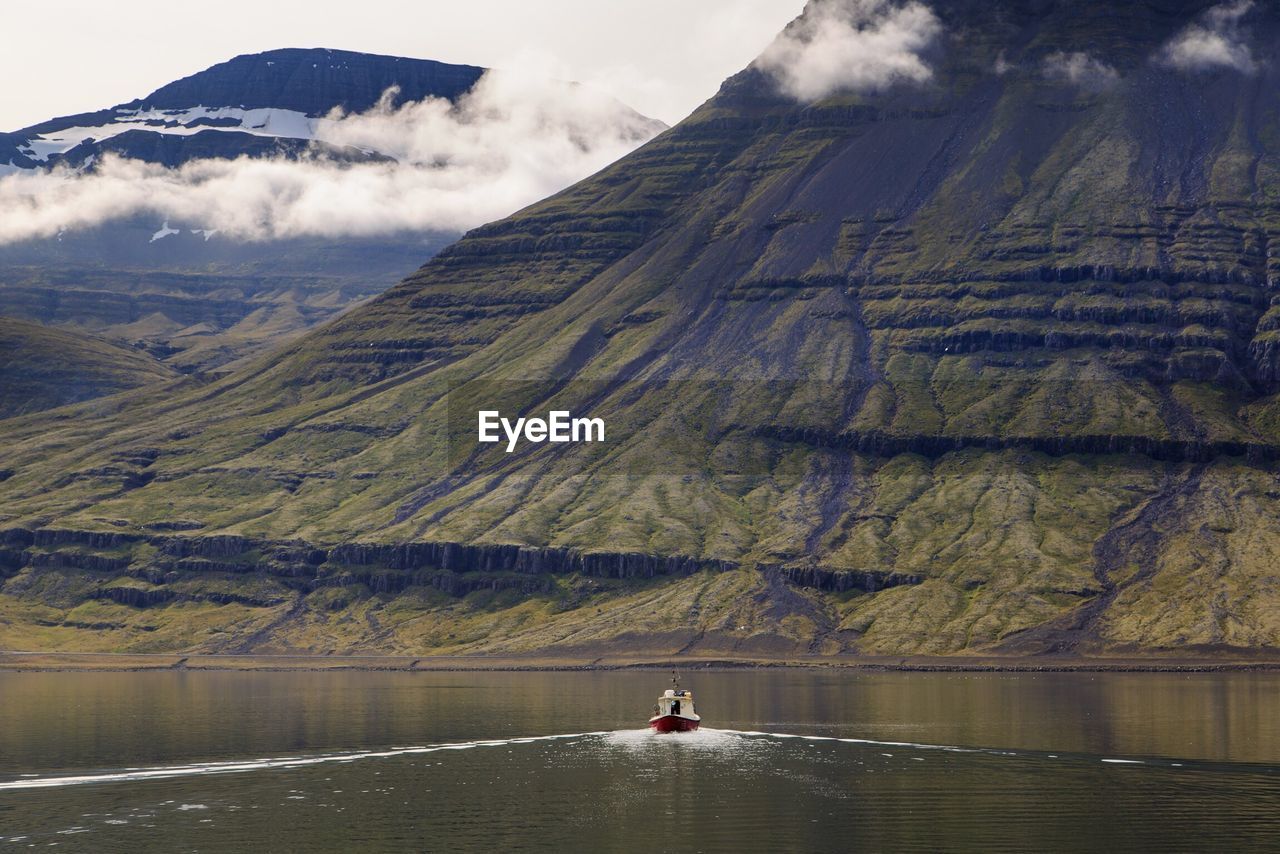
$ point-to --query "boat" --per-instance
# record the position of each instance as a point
(674, 711)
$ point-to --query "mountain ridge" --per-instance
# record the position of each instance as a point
(414, 78)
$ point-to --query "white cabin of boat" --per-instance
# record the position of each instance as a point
(676, 701)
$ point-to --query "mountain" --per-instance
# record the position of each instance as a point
(190, 292)
(977, 359)
(43, 368)
(251, 105)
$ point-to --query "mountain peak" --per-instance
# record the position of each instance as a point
(313, 81)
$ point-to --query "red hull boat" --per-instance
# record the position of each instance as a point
(674, 712)
(673, 723)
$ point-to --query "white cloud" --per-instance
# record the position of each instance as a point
(510, 142)
(851, 45)
(1217, 40)
(1080, 69)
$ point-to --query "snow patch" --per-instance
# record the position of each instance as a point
(268, 122)
(164, 232)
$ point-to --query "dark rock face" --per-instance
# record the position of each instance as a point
(55, 537)
(135, 597)
(842, 581)
(17, 537)
(1264, 354)
(452, 568)
(885, 445)
(457, 557)
(77, 560)
(215, 546)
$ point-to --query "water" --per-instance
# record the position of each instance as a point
(787, 761)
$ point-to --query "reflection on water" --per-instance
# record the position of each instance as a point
(795, 761)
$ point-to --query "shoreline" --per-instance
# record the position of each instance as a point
(108, 662)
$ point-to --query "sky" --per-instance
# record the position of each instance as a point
(662, 57)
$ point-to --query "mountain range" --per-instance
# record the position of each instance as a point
(977, 357)
(184, 290)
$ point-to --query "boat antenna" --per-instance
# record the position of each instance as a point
(675, 680)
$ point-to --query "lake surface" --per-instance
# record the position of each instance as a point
(787, 761)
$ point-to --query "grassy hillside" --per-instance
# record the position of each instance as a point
(42, 368)
(196, 306)
(980, 365)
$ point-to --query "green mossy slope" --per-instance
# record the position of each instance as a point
(43, 368)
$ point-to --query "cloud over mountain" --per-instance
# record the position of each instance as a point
(1080, 69)
(1217, 40)
(509, 142)
(851, 45)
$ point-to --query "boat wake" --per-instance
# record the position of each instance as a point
(704, 738)
(166, 772)
(709, 739)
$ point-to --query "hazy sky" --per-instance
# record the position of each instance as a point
(663, 57)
